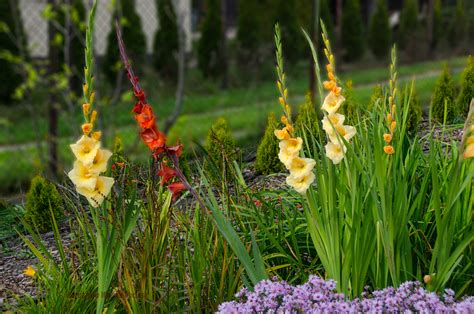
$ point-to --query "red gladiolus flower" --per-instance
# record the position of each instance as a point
(176, 188)
(145, 117)
(167, 173)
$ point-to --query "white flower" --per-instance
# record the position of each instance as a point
(82, 177)
(332, 121)
(301, 167)
(97, 195)
(345, 131)
(85, 150)
(99, 164)
(300, 184)
(335, 152)
(332, 102)
(289, 149)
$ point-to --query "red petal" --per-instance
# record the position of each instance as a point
(176, 189)
(176, 150)
(167, 173)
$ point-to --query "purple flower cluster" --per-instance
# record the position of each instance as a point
(319, 296)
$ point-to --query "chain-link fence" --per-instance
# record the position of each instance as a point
(36, 25)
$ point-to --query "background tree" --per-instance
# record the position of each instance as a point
(458, 25)
(325, 15)
(12, 40)
(133, 36)
(209, 46)
(353, 39)
(286, 16)
(380, 36)
(443, 95)
(408, 22)
(165, 46)
(437, 23)
(248, 31)
(467, 88)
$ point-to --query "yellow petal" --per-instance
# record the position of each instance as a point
(85, 149)
(300, 184)
(82, 177)
(332, 102)
(29, 271)
(345, 131)
(332, 121)
(99, 164)
(291, 145)
(335, 152)
(100, 192)
(469, 151)
(301, 167)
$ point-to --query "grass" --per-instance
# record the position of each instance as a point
(245, 109)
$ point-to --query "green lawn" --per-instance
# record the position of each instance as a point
(245, 109)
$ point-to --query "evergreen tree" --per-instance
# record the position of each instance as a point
(467, 88)
(248, 30)
(286, 16)
(209, 48)
(352, 31)
(221, 147)
(12, 40)
(414, 109)
(443, 95)
(380, 36)
(166, 45)
(133, 37)
(267, 161)
(437, 23)
(458, 25)
(408, 22)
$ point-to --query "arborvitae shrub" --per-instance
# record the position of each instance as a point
(414, 109)
(10, 78)
(408, 23)
(444, 93)
(209, 46)
(467, 88)
(380, 36)
(350, 107)
(42, 196)
(377, 96)
(133, 37)
(267, 161)
(248, 31)
(286, 16)
(165, 46)
(353, 39)
(221, 147)
(307, 119)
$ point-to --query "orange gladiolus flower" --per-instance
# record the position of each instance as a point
(166, 173)
(389, 150)
(176, 188)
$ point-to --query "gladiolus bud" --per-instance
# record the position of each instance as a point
(390, 100)
(388, 149)
(284, 120)
(85, 88)
(394, 92)
(282, 101)
(392, 126)
(85, 109)
(329, 68)
(92, 98)
(86, 128)
(394, 108)
(285, 93)
(331, 59)
(279, 85)
(96, 135)
(427, 279)
(387, 137)
(93, 116)
(389, 117)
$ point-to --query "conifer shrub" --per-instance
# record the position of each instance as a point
(166, 45)
(307, 119)
(353, 39)
(377, 96)
(42, 199)
(9, 37)
(408, 23)
(414, 109)
(209, 46)
(221, 147)
(443, 95)
(467, 88)
(380, 36)
(350, 107)
(267, 161)
(132, 34)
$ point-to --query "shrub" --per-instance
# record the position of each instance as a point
(376, 95)
(10, 78)
(467, 88)
(267, 161)
(132, 34)
(221, 147)
(443, 94)
(380, 36)
(248, 30)
(307, 118)
(414, 109)
(286, 16)
(165, 46)
(352, 31)
(408, 22)
(42, 199)
(350, 107)
(209, 46)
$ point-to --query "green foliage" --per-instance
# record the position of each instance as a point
(133, 37)
(443, 95)
(307, 119)
(42, 196)
(286, 17)
(267, 161)
(12, 40)
(380, 36)
(210, 58)
(325, 15)
(165, 46)
(377, 95)
(221, 147)
(458, 25)
(408, 22)
(414, 109)
(350, 107)
(467, 88)
(249, 32)
(437, 23)
(353, 39)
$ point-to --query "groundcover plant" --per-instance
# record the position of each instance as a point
(369, 210)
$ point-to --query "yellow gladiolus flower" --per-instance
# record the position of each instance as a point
(332, 121)
(388, 149)
(469, 151)
(282, 134)
(335, 152)
(97, 195)
(332, 102)
(387, 137)
(292, 145)
(82, 176)
(300, 184)
(470, 140)
(30, 271)
(345, 131)
(300, 167)
(99, 164)
(85, 149)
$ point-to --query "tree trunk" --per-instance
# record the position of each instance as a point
(53, 101)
